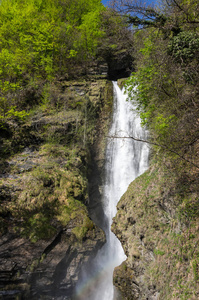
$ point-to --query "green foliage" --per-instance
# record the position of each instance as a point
(140, 86)
(164, 84)
(14, 114)
(10, 113)
(195, 266)
(7, 108)
(116, 37)
(90, 33)
(158, 252)
(165, 89)
(162, 124)
(184, 46)
(42, 39)
(26, 38)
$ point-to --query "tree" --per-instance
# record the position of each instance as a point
(117, 36)
(165, 84)
(138, 13)
(41, 40)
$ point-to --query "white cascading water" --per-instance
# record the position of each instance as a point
(125, 160)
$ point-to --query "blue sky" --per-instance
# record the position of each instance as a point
(104, 2)
(147, 1)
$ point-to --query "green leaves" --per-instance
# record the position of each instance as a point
(90, 33)
(140, 87)
(184, 46)
(26, 38)
(18, 115)
(165, 85)
(10, 113)
(41, 40)
(162, 124)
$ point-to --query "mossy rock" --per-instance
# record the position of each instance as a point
(158, 229)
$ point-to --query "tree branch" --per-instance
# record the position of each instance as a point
(155, 144)
(139, 13)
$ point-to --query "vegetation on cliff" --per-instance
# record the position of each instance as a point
(45, 185)
(163, 253)
(52, 58)
(44, 44)
(55, 102)
(46, 40)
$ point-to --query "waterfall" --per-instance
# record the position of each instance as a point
(125, 160)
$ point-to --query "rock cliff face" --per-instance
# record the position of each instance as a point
(157, 224)
(47, 268)
(46, 231)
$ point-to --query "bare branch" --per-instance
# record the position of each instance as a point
(155, 144)
(135, 8)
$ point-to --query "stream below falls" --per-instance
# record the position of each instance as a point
(125, 160)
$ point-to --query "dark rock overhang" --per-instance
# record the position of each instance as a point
(120, 65)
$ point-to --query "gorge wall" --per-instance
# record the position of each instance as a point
(157, 224)
(51, 177)
(46, 231)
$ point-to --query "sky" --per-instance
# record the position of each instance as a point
(147, 1)
(104, 1)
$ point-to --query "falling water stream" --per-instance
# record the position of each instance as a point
(125, 160)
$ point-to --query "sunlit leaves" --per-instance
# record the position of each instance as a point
(90, 33)
(38, 35)
(43, 38)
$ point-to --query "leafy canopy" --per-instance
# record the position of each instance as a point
(43, 39)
